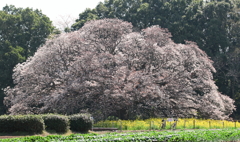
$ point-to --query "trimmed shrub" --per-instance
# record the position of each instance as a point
(56, 122)
(7, 124)
(80, 122)
(21, 123)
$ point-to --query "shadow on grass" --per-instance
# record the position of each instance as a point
(44, 133)
(53, 132)
(19, 134)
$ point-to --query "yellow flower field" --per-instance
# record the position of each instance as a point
(155, 123)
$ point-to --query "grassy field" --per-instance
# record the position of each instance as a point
(198, 135)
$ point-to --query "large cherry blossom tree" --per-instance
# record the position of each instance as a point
(107, 69)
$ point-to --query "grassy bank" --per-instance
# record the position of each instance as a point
(157, 136)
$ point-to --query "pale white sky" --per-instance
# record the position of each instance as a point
(54, 9)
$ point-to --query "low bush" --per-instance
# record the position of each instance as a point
(80, 122)
(21, 123)
(56, 122)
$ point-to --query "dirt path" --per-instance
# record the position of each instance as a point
(8, 137)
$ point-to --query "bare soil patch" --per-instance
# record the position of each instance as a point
(8, 137)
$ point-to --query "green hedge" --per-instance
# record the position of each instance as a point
(21, 123)
(80, 122)
(56, 122)
(37, 123)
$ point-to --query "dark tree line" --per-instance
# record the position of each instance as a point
(214, 25)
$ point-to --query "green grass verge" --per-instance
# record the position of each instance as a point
(157, 136)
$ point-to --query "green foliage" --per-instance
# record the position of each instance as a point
(56, 122)
(22, 31)
(80, 122)
(26, 28)
(23, 123)
(112, 118)
(37, 123)
(87, 15)
(9, 57)
(170, 136)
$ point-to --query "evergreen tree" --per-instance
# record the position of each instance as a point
(22, 31)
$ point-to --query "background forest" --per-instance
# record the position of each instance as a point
(213, 25)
